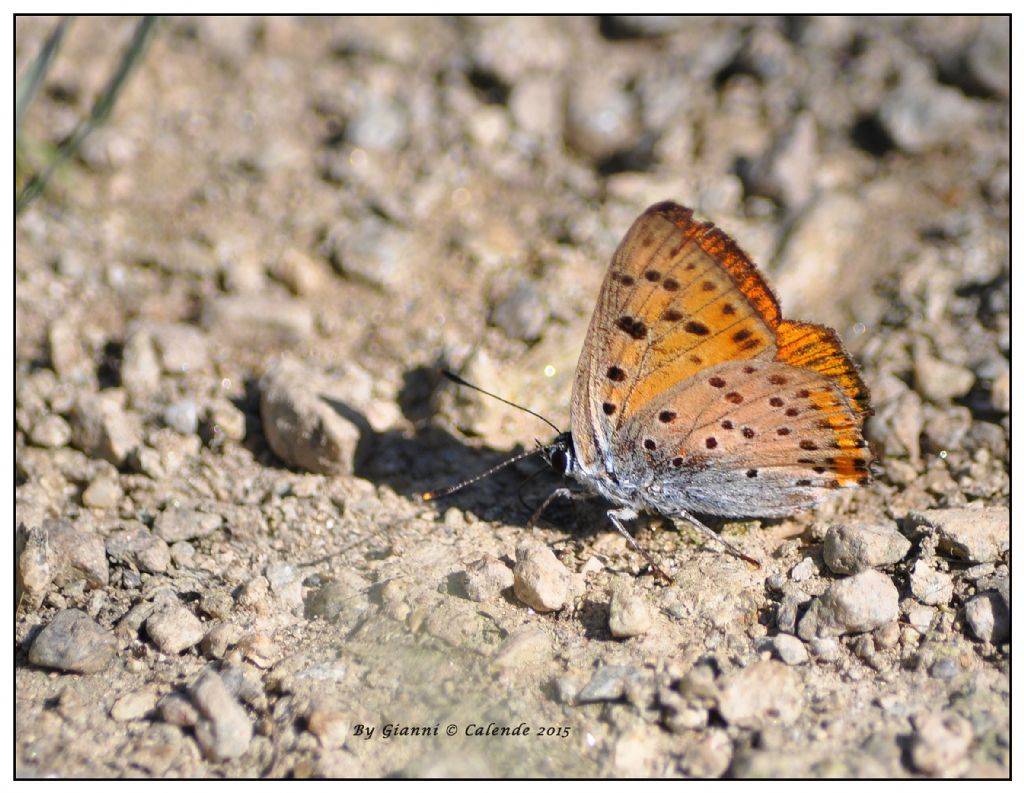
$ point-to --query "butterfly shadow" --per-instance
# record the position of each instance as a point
(429, 457)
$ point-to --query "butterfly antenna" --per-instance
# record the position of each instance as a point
(456, 379)
(433, 495)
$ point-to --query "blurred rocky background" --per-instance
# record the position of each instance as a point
(231, 303)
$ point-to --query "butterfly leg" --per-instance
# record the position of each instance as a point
(718, 538)
(562, 492)
(616, 516)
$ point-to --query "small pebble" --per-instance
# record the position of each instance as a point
(701, 681)
(254, 593)
(628, 614)
(709, 757)
(824, 649)
(486, 578)
(567, 687)
(182, 348)
(864, 647)
(135, 705)
(224, 420)
(218, 639)
(789, 608)
(301, 273)
(930, 586)
(173, 628)
(259, 649)
(177, 709)
(140, 367)
(523, 313)
(888, 636)
(280, 575)
(944, 669)
(72, 642)
(329, 725)
(688, 717)
(920, 114)
(68, 356)
(182, 416)
(258, 318)
(302, 427)
(765, 691)
(608, 684)
(776, 582)
(535, 104)
(940, 743)
(332, 600)
(979, 571)
(58, 554)
(920, 617)
(988, 617)
(175, 524)
(940, 381)
(526, 646)
(540, 580)
(601, 117)
(786, 171)
(803, 570)
(790, 650)
(183, 554)
(634, 754)
(104, 492)
(381, 124)
(1001, 392)
(857, 604)
(139, 546)
(374, 252)
(102, 429)
(147, 461)
(50, 432)
(223, 729)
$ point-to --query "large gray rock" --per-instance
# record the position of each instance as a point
(72, 642)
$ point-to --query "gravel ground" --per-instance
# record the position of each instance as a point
(231, 306)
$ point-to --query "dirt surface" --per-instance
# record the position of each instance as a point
(231, 306)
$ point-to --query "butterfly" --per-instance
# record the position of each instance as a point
(693, 395)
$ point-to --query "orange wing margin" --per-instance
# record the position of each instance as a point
(719, 246)
(817, 347)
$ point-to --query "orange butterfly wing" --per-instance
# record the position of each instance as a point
(680, 298)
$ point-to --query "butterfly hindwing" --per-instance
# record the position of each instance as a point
(754, 438)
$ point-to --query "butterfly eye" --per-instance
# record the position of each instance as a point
(560, 461)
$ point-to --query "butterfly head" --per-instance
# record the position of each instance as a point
(560, 454)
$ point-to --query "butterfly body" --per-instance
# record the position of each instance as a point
(693, 395)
